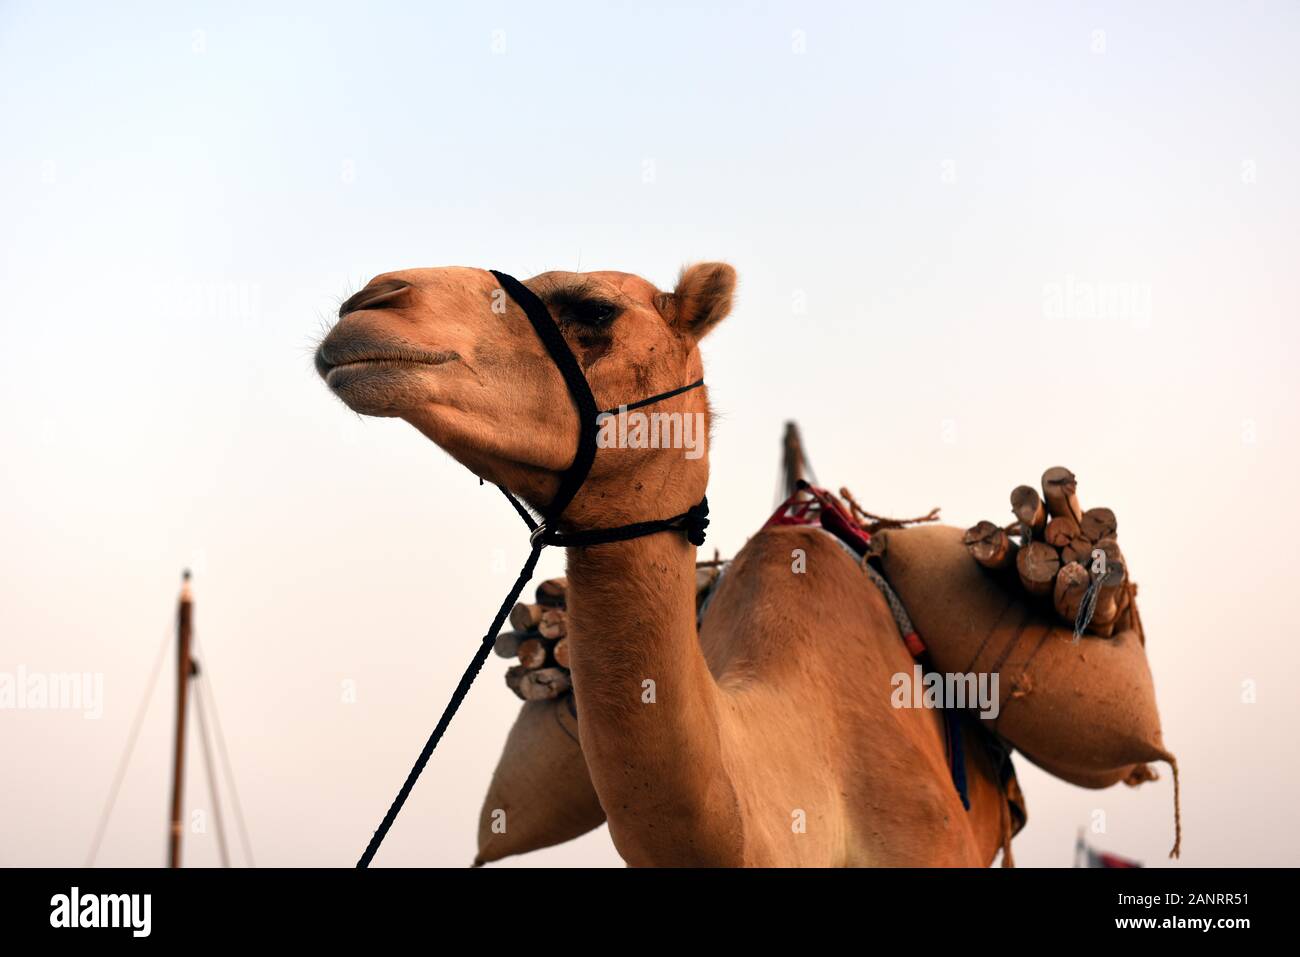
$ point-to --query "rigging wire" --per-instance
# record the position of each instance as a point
(205, 739)
(132, 737)
(225, 762)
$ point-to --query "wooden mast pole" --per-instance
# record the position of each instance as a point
(184, 668)
(792, 459)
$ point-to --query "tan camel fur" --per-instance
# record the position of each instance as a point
(768, 738)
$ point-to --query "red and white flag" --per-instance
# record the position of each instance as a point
(1085, 855)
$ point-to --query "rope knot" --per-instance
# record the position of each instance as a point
(695, 521)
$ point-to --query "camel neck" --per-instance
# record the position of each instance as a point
(632, 615)
(647, 703)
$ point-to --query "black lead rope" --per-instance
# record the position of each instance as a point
(692, 522)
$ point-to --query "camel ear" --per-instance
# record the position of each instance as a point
(702, 298)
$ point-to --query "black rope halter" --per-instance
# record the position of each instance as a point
(692, 522)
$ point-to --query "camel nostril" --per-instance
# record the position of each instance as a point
(374, 296)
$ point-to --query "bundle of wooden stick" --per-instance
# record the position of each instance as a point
(1060, 553)
(539, 640)
(539, 637)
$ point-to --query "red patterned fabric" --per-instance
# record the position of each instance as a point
(822, 509)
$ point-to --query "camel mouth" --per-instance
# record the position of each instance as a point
(380, 384)
(337, 376)
(335, 361)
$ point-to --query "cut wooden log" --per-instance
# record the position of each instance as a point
(1098, 523)
(1124, 621)
(1060, 531)
(554, 623)
(1104, 628)
(1028, 508)
(1071, 586)
(1059, 491)
(553, 592)
(1038, 564)
(507, 643)
(1108, 612)
(1021, 534)
(1078, 550)
(544, 684)
(532, 653)
(515, 678)
(1113, 568)
(525, 617)
(561, 652)
(989, 545)
(1111, 574)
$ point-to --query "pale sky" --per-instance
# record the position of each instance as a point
(920, 203)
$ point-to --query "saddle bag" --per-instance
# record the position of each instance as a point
(541, 792)
(1084, 711)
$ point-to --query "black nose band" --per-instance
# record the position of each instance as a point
(549, 333)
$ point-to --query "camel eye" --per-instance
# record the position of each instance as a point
(581, 305)
(601, 313)
(589, 312)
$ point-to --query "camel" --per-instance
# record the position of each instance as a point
(768, 737)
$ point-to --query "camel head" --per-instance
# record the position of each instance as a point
(448, 351)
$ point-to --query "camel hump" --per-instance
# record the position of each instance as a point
(799, 563)
(772, 542)
(791, 592)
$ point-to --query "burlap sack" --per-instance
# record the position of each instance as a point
(1133, 775)
(1084, 711)
(541, 793)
